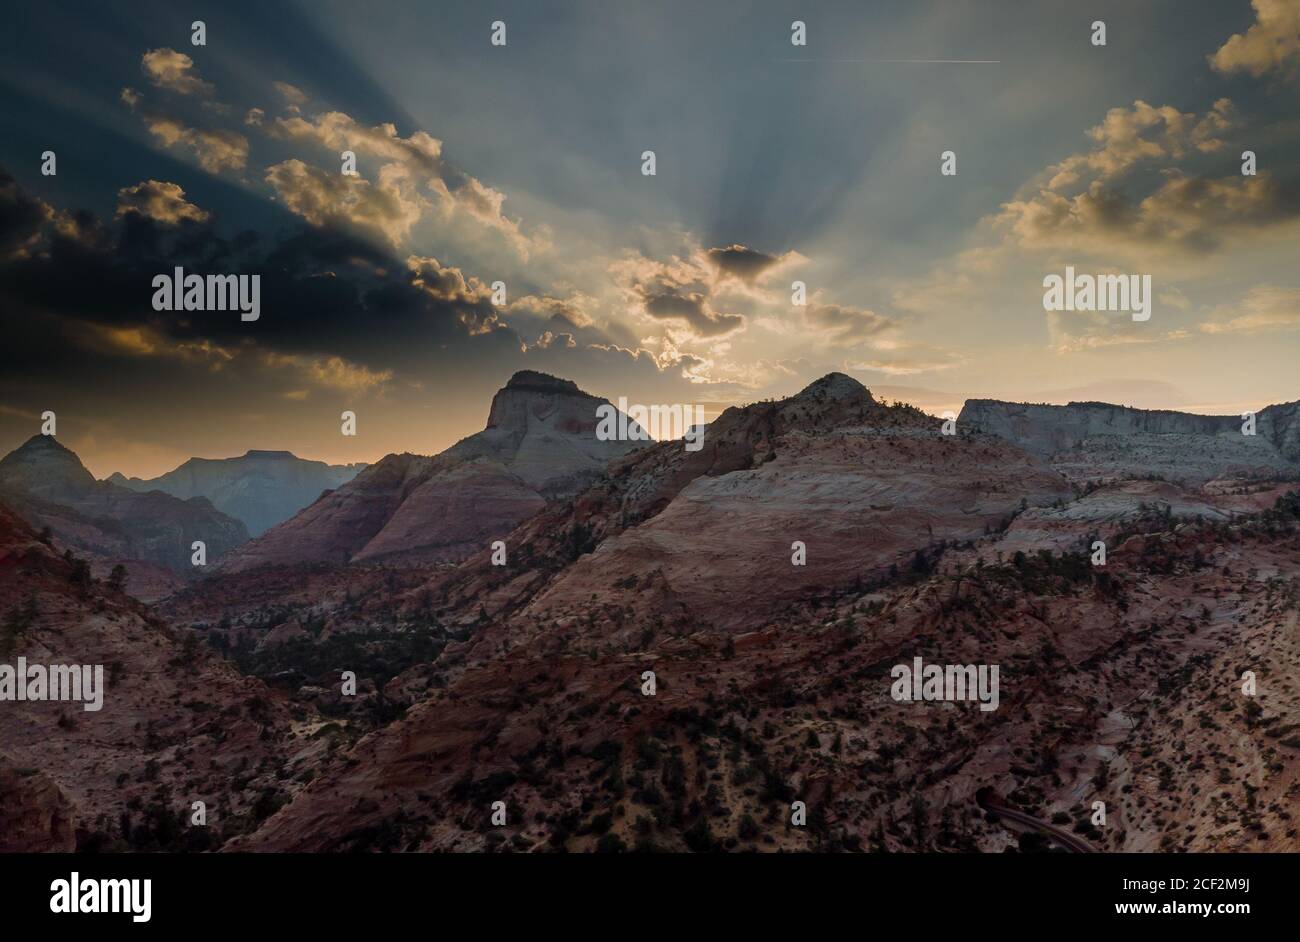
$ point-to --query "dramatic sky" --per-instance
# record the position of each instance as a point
(522, 164)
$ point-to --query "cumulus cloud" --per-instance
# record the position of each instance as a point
(385, 210)
(691, 308)
(1087, 203)
(1184, 213)
(145, 341)
(216, 149)
(160, 201)
(22, 218)
(679, 291)
(336, 131)
(547, 339)
(1271, 44)
(420, 155)
(560, 313)
(1127, 136)
(174, 71)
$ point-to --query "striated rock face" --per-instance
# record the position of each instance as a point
(774, 681)
(1094, 440)
(539, 444)
(151, 531)
(260, 488)
(862, 486)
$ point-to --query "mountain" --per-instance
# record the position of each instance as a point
(1096, 440)
(539, 445)
(261, 488)
(176, 723)
(151, 533)
(710, 534)
(774, 680)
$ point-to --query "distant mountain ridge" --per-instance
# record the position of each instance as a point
(261, 488)
(539, 444)
(48, 485)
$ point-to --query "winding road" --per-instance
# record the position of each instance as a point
(989, 800)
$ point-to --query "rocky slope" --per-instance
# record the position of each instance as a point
(539, 444)
(259, 488)
(151, 533)
(1120, 685)
(709, 536)
(523, 683)
(178, 724)
(1094, 440)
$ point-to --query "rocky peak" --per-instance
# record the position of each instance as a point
(42, 466)
(836, 386)
(530, 397)
(543, 382)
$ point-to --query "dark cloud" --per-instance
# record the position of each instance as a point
(323, 291)
(693, 309)
(741, 262)
(21, 215)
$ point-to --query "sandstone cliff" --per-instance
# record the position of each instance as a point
(539, 444)
(1095, 440)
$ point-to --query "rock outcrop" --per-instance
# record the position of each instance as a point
(710, 535)
(1096, 440)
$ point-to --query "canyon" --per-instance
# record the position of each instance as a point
(522, 681)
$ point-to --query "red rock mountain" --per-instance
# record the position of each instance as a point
(862, 486)
(523, 683)
(1118, 684)
(539, 444)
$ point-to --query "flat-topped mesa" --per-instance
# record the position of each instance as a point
(1099, 439)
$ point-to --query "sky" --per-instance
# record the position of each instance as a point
(522, 164)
